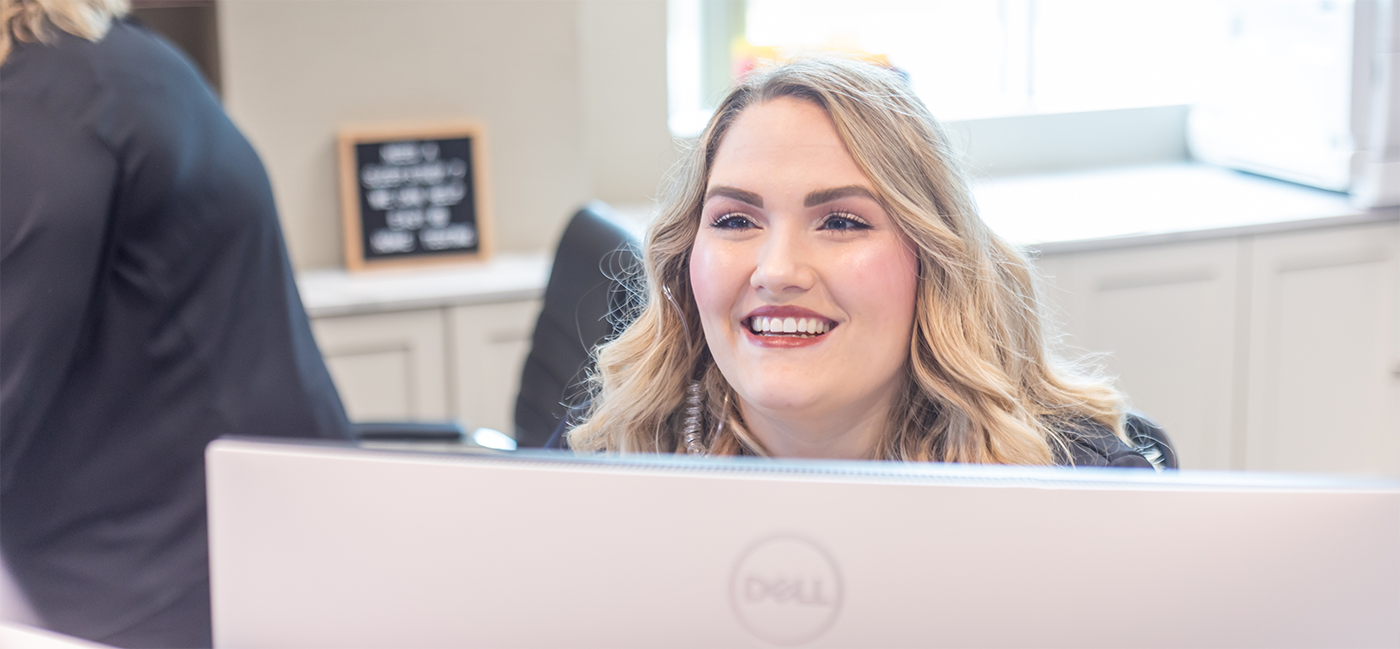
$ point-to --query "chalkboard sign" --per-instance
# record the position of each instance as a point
(413, 196)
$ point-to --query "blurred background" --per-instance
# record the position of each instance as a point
(1205, 183)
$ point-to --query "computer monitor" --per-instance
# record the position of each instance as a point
(23, 635)
(325, 545)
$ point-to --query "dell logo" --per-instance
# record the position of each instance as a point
(798, 591)
(785, 590)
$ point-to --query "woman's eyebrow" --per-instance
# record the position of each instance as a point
(736, 194)
(827, 195)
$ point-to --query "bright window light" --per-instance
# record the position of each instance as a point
(967, 59)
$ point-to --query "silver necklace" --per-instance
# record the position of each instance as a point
(693, 444)
(691, 435)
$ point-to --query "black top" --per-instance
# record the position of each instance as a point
(1090, 444)
(148, 308)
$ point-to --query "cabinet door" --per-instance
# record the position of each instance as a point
(387, 366)
(490, 342)
(1323, 395)
(1163, 318)
(1057, 282)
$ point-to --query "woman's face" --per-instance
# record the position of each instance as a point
(804, 287)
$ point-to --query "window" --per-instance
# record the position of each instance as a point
(966, 59)
(1301, 90)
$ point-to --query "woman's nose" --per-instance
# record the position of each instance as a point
(784, 264)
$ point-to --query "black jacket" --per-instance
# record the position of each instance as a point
(147, 306)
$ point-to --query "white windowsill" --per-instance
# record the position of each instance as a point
(1140, 205)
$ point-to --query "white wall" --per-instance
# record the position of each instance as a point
(572, 95)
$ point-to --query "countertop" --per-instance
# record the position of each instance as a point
(1112, 208)
(506, 277)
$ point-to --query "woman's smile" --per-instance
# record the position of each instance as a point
(786, 327)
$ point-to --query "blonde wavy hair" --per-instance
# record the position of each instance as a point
(981, 383)
(27, 21)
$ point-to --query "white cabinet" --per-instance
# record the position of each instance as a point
(1273, 352)
(489, 345)
(455, 362)
(387, 366)
(1166, 317)
(1324, 312)
(429, 344)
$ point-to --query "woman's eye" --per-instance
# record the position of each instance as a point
(843, 221)
(732, 222)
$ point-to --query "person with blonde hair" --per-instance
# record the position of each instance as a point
(149, 307)
(818, 284)
(29, 21)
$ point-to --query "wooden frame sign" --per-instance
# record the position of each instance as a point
(414, 196)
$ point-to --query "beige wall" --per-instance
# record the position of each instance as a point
(572, 93)
(627, 145)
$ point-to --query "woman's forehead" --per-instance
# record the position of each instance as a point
(784, 145)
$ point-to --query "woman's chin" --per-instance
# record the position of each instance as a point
(787, 403)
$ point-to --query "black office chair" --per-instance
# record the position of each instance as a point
(584, 304)
(1150, 440)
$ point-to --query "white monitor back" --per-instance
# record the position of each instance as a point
(324, 546)
(16, 635)
(14, 604)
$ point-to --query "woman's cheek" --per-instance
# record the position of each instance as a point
(883, 277)
(706, 277)
(881, 267)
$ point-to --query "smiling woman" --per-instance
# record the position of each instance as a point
(792, 241)
(819, 284)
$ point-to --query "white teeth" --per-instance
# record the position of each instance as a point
(810, 326)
